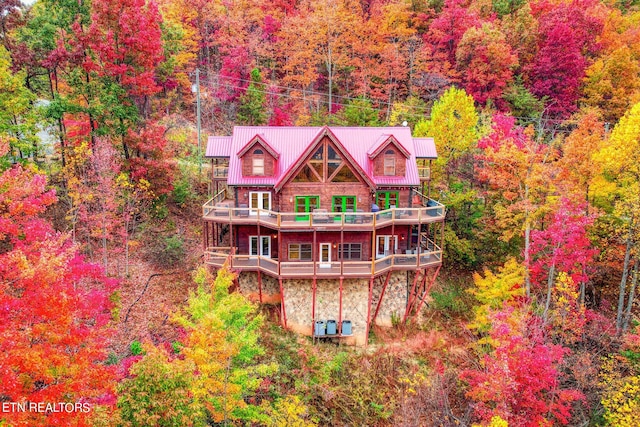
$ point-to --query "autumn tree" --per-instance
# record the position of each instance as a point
(514, 166)
(17, 116)
(453, 126)
(562, 247)
(486, 63)
(55, 326)
(521, 380)
(618, 158)
(222, 342)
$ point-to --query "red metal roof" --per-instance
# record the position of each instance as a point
(218, 146)
(292, 142)
(425, 148)
(382, 142)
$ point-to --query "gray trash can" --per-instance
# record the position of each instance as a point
(320, 328)
(332, 327)
(346, 327)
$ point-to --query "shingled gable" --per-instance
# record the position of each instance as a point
(382, 143)
(311, 148)
(259, 140)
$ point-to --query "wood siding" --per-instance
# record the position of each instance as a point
(401, 162)
(247, 162)
(326, 191)
(242, 234)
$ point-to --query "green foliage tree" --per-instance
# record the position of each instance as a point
(159, 392)
(17, 115)
(454, 126)
(252, 109)
(360, 112)
(223, 332)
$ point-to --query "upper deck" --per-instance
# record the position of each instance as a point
(220, 209)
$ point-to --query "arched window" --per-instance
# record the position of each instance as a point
(258, 162)
(390, 163)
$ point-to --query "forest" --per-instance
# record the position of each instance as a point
(108, 314)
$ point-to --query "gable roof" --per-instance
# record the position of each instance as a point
(258, 139)
(293, 142)
(382, 143)
(312, 147)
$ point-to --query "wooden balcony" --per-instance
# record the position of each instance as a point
(219, 209)
(335, 269)
(220, 172)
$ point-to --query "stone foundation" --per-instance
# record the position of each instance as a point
(298, 300)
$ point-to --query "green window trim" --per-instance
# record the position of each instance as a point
(384, 199)
(305, 204)
(343, 203)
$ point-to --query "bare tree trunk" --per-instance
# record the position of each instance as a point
(527, 259)
(550, 279)
(632, 294)
(623, 281)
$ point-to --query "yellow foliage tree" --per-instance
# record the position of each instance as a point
(494, 290)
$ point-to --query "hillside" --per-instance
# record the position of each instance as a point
(109, 315)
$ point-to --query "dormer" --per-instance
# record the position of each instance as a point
(258, 158)
(389, 157)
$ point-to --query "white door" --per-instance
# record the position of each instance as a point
(260, 245)
(325, 255)
(259, 200)
(383, 246)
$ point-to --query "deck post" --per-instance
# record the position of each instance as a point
(340, 306)
(283, 311)
(428, 287)
(313, 306)
(260, 286)
(384, 288)
(366, 335)
(410, 297)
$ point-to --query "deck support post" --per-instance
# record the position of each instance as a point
(366, 335)
(260, 286)
(283, 311)
(410, 297)
(313, 306)
(428, 287)
(340, 305)
(384, 288)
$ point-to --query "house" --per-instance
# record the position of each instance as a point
(334, 224)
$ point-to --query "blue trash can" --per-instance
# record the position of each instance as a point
(346, 327)
(320, 328)
(332, 327)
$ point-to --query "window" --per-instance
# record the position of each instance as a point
(258, 163)
(259, 200)
(326, 165)
(390, 163)
(386, 199)
(300, 252)
(306, 204)
(260, 245)
(343, 203)
(386, 245)
(351, 251)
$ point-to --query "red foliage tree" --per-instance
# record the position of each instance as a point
(54, 309)
(520, 380)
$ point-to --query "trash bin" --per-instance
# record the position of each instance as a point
(346, 327)
(320, 328)
(332, 327)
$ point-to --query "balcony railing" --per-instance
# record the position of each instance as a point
(424, 172)
(290, 269)
(220, 210)
(220, 171)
